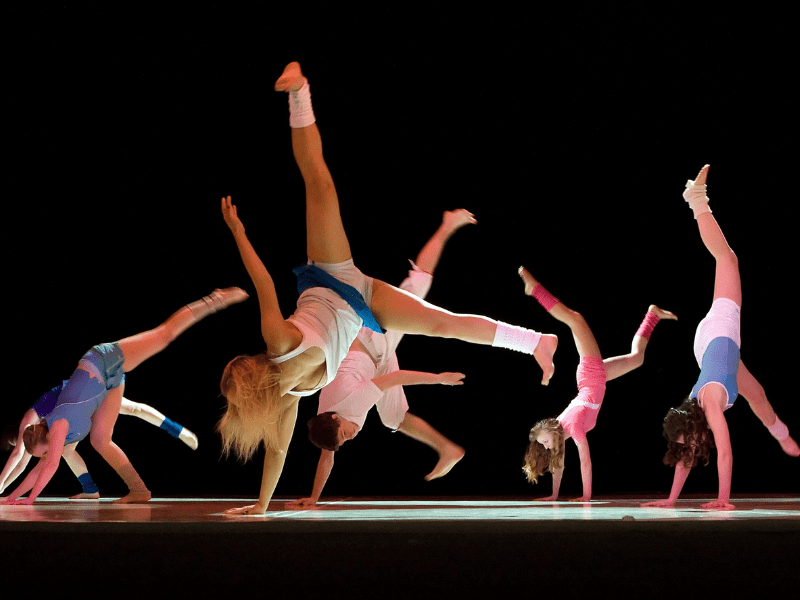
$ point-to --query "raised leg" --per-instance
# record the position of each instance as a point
(616, 366)
(756, 397)
(151, 415)
(400, 311)
(326, 240)
(727, 281)
(142, 346)
(584, 338)
(449, 453)
(452, 221)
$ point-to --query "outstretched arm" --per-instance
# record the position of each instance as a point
(274, 458)
(19, 458)
(722, 440)
(324, 467)
(681, 473)
(395, 378)
(452, 221)
(44, 470)
(279, 336)
(586, 469)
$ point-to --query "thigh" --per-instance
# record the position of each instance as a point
(400, 311)
(105, 417)
(138, 348)
(727, 281)
(326, 240)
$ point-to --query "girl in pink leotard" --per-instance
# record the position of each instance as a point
(548, 436)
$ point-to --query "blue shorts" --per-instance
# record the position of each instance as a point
(99, 371)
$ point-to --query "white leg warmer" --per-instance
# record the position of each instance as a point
(301, 114)
(516, 338)
(778, 430)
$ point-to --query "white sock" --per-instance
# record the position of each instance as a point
(778, 430)
(695, 195)
(301, 114)
(516, 338)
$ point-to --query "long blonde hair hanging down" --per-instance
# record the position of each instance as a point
(251, 386)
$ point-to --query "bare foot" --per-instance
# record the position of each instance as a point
(790, 446)
(702, 176)
(291, 79)
(84, 496)
(223, 298)
(135, 498)
(529, 280)
(447, 460)
(661, 313)
(543, 354)
(454, 220)
(188, 438)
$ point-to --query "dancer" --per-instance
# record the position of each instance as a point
(548, 437)
(91, 399)
(699, 424)
(304, 351)
(370, 376)
(19, 458)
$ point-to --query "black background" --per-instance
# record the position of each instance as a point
(568, 132)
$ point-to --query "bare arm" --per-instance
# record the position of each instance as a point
(586, 469)
(43, 472)
(274, 458)
(557, 475)
(395, 378)
(681, 473)
(713, 400)
(324, 467)
(19, 458)
(280, 336)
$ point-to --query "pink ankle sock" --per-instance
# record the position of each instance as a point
(543, 297)
(648, 324)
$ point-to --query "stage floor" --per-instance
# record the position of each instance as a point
(351, 510)
(405, 548)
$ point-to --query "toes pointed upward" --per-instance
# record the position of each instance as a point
(291, 79)
(702, 176)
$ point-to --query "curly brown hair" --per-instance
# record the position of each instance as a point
(687, 420)
(538, 459)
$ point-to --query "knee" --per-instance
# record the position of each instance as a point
(100, 439)
(320, 187)
(574, 319)
(731, 259)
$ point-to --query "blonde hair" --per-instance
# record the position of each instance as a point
(538, 459)
(251, 386)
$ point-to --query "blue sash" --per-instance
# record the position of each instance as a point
(309, 276)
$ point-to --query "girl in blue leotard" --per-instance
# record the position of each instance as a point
(699, 423)
(91, 400)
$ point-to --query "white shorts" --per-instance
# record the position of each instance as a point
(723, 320)
(352, 394)
(348, 273)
